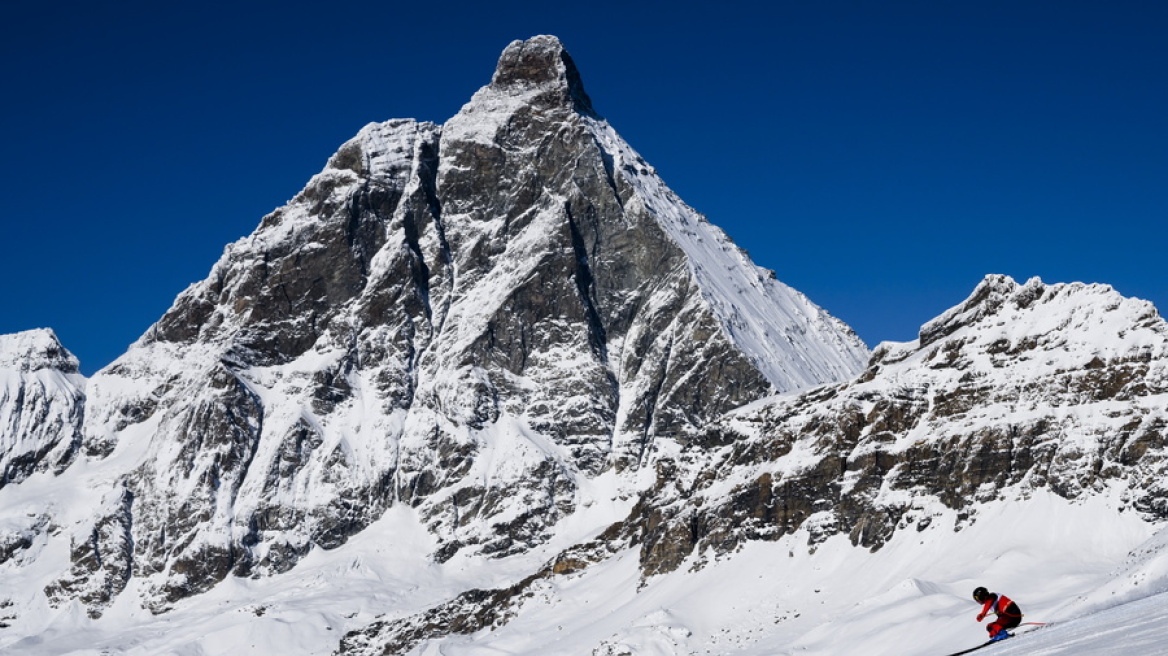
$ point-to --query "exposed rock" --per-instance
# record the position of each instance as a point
(102, 561)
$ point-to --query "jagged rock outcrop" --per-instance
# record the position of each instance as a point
(42, 405)
(469, 319)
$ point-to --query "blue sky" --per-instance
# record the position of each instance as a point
(880, 156)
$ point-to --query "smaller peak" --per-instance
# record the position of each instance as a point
(541, 62)
(33, 350)
(987, 298)
(1000, 297)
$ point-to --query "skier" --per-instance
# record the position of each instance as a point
(1009, 616)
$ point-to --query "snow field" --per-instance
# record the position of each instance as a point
(910, 598)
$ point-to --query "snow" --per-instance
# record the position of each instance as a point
(32, 350)
(792, 341)
(42, 395)
(1056, 558)
(912, 597)
(1139, 627)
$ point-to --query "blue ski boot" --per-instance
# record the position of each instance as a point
(1001, 635)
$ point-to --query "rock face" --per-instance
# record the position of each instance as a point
(42, 403)
(470, 319)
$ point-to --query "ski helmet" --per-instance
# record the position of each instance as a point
(980, 595)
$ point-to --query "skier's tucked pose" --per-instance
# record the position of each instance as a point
(1009, 616)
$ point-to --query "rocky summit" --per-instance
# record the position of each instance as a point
(471, 359)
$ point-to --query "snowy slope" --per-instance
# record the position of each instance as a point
(911, 598)
(762, 315)
(1019, 444)
(1081, 564)
(1139, 627)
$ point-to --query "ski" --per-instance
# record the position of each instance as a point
(972, 649)
(1037, 625)
(984, 644)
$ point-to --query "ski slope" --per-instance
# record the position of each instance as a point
(1099, 577)
(911, 598)
(1139, 627)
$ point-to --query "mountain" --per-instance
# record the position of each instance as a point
(491, 387)
(476, 320)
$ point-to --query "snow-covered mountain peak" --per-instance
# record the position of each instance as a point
(987, 298)
(532, 136)
(477, 321)
(33, 350)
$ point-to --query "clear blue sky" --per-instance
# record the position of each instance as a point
(880, 156)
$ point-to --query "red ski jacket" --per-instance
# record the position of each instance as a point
(1000, 605)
